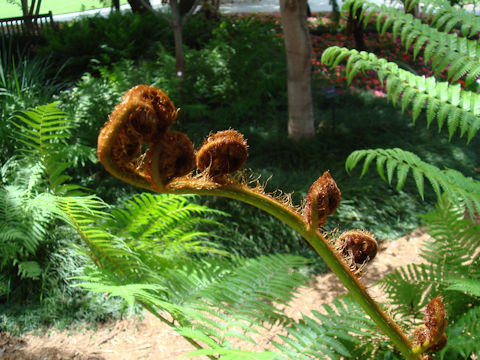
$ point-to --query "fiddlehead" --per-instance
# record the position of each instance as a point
(357, 247)
(222, 153)
(430, 336)
(322, 200)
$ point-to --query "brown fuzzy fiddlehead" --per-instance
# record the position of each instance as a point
(144, 117)
(431, 337)
(222, 153)
(143, 120)
(358, 247)
(155, 113)
(322, 200)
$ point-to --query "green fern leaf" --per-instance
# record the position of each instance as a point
(469, 286)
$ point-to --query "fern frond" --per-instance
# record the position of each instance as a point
(218, 304)
(454, 184)
(44, 131)
(469, 286)
(450, 265)
(440, 99)
(38, 128)
(167, 223)
(351, 335)
(410, 288)
(461, 54)
(228, 354)
(463, 336)
(23, 223)
(456, 238)
(444, 16)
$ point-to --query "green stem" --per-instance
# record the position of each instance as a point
(324, 249)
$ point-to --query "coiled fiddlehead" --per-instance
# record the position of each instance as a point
(143, 120)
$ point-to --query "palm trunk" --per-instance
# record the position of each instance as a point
(298, 47)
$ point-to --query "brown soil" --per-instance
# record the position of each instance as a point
(148, 338)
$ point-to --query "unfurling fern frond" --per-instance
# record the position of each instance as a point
(390, 161)
(448, 104)
(461, 55)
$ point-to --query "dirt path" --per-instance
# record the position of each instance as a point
(148, 338)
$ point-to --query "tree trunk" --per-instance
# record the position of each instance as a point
(298, 47)
(354, 26)
(116, 5)
(139, 7)
(30, 14)
(177, 37)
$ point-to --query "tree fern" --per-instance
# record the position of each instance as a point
(446, 103)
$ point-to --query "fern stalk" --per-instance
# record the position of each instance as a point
(323, 248)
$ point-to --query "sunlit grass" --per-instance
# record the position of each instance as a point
(56, 6)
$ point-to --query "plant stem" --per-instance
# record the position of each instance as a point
(324, 249)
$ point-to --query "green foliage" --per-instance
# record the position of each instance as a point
(93, 41)
(463, 336)
(25, 81)
(257, 67)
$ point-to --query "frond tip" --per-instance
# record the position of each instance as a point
(453, 183)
